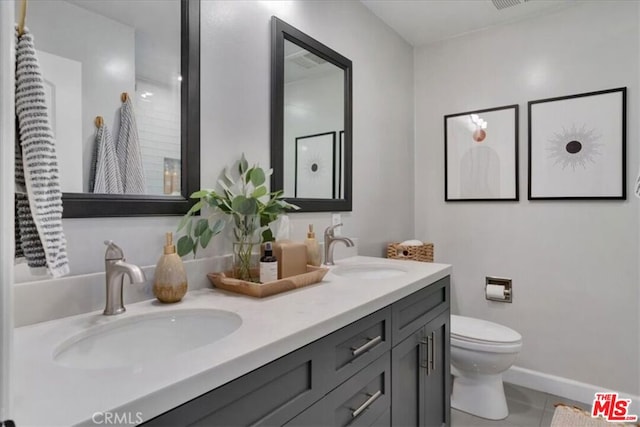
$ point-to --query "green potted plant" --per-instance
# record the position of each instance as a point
(246, 201)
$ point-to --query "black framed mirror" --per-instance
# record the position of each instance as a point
(187, 167)
(311, 121)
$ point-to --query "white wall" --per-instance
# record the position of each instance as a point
(311, 106)
(574, 265)
(235, 105)
(105, 48)
(63, 95)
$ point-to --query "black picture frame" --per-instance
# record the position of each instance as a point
(281, 31)
(298, 168)
(586, 118)
(90, 205)
(453, 140)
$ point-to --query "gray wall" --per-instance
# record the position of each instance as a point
(235, 65)
(574, 264)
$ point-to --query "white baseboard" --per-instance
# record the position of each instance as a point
(564, 387)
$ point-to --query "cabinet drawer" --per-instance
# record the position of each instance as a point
(270, 395)
(364, 398)
(412, 312)
(358, 344)
(383, 420)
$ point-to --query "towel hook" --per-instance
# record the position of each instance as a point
(124, 96)
(99, 121)
(23, 17)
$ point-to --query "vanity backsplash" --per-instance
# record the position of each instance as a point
(44, 300)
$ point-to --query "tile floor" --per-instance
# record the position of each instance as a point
(527, 408)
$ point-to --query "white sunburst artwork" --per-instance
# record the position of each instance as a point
(577, 146)
(314, 176)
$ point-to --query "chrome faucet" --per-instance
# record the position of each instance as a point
(116, 268)
(329, 240)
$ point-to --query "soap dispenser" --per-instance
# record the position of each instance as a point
(313, 248)
(170, 281)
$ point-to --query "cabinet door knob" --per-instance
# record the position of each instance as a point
(366, 404)
(357, 351)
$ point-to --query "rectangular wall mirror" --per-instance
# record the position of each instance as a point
(91, 52)
(311, 129)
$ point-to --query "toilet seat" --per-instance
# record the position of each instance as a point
(482, 335)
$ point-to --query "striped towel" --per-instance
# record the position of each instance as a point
(105, 177)
(128, 150)
(38, 194)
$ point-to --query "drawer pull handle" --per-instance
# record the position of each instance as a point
(356, 351)
(366, 404)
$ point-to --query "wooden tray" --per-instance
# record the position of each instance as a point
(227, 282)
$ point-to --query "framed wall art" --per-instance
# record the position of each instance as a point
(577, 146)
(315, 166)
(481, 155)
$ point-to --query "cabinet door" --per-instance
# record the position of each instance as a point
(420, 383)
(408, 365)
(437, 383)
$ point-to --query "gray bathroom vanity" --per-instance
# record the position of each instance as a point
(389, 368)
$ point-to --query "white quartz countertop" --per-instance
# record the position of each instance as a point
(48, 394)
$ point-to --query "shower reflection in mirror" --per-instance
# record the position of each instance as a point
(93, 51)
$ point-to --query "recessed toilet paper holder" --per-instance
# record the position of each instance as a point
(498, 281)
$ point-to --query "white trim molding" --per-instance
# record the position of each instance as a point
(7, 184)
(564, 387)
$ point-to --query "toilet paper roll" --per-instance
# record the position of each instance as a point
(495, 291)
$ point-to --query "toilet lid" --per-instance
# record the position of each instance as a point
(468, 328)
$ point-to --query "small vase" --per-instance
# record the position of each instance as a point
(246, 247)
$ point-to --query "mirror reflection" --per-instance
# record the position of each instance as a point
(311, 121)
(113, 59)
(313, 125)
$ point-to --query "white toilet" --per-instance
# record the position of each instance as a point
(480, 352)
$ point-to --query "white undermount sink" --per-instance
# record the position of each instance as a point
(140, 338)
(368, 271)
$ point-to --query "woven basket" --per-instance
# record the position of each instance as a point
(422, 253)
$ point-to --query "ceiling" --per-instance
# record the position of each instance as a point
(422, 22)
